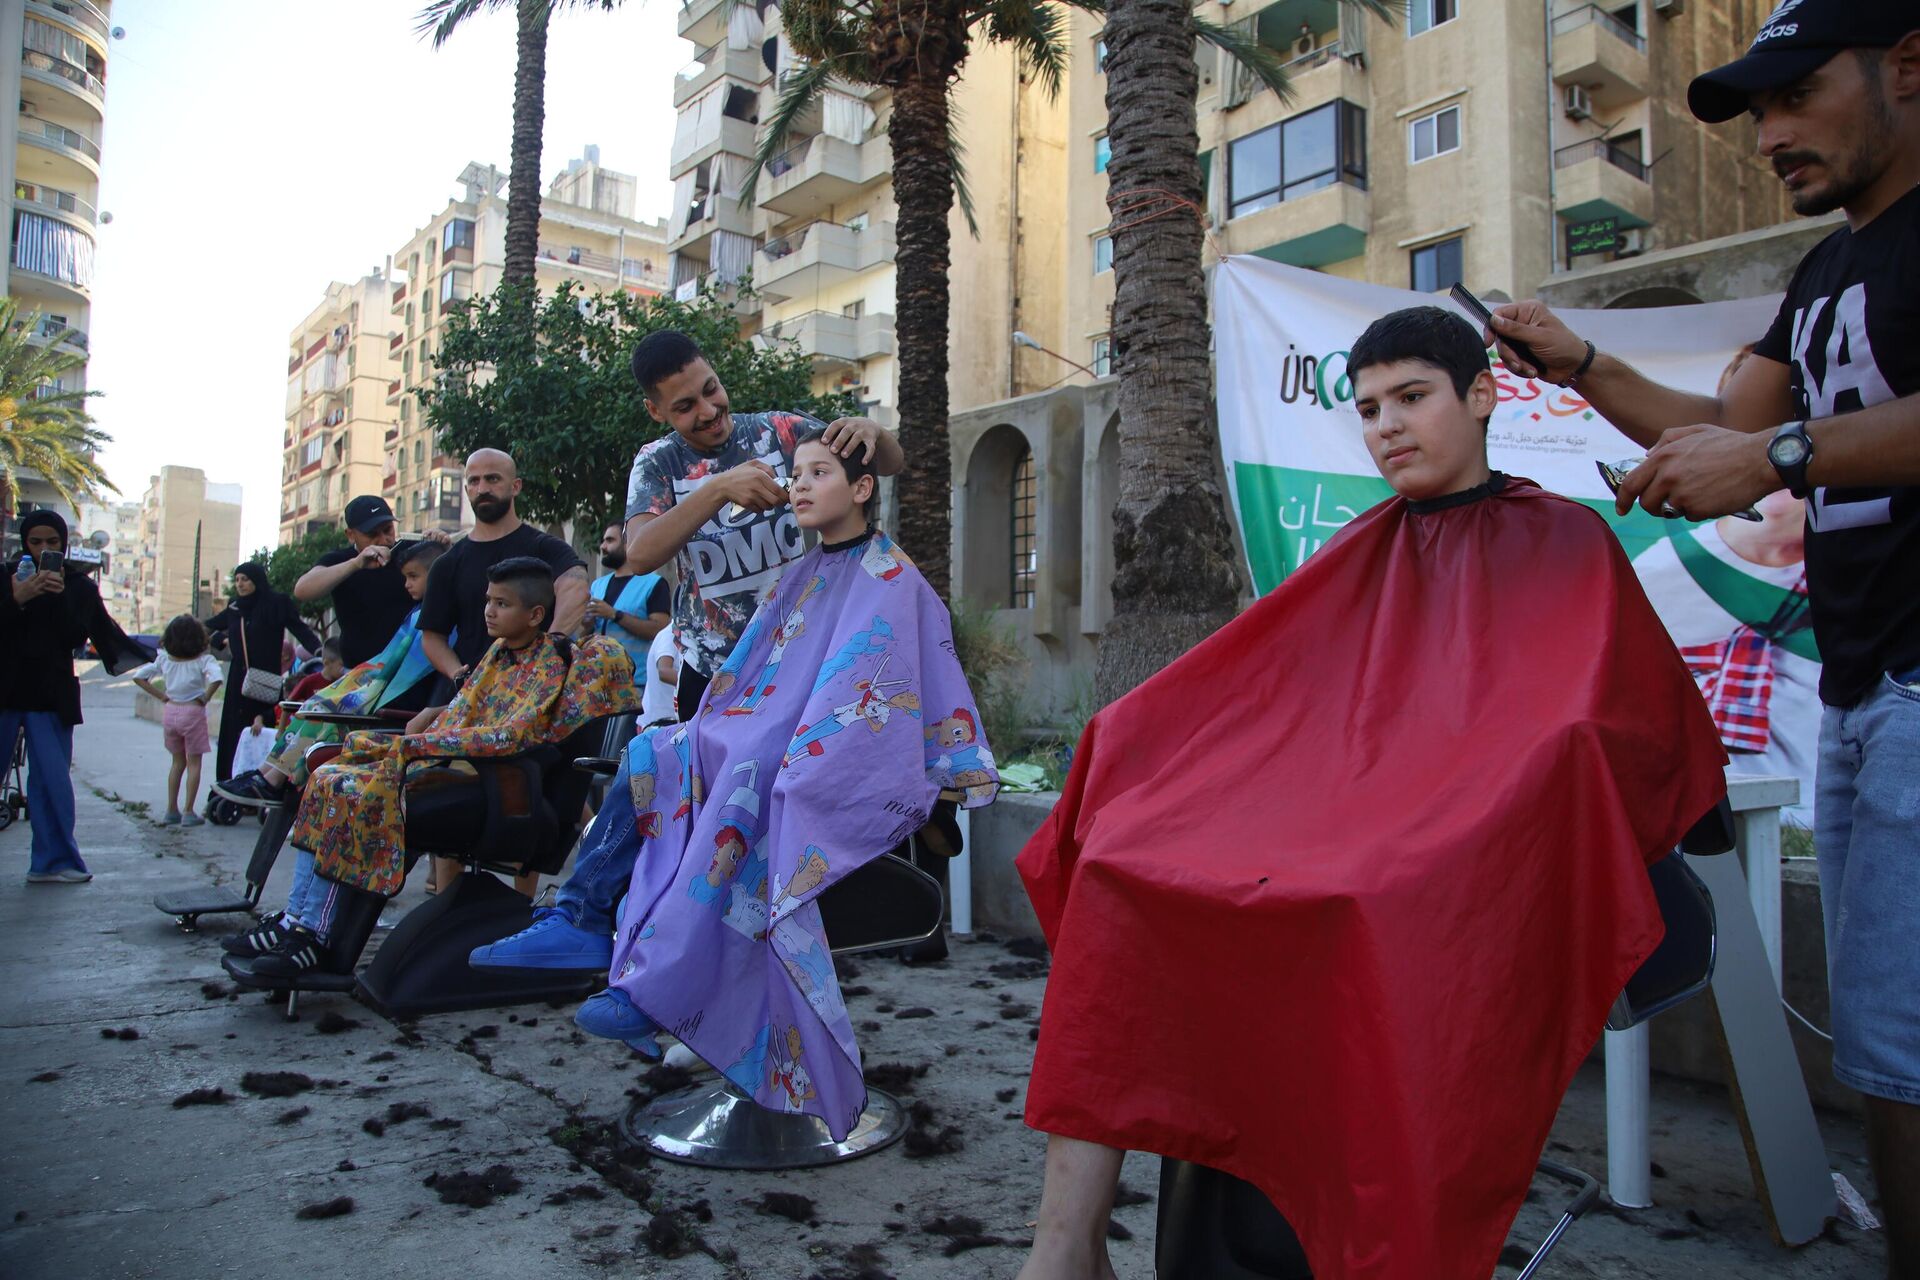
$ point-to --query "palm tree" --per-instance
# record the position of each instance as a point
(44, 428)
(915, 49)
(1176, 574)
(441, 19)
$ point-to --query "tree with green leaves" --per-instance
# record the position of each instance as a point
(916, 49)
(560, 396)
(1176, 574)
(440, 20)
(44, 427)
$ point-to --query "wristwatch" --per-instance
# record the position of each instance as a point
(1790, 450)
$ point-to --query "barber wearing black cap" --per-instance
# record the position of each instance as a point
(1828, 407)
(45, 615)
(369, 599)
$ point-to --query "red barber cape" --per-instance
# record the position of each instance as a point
(1339, 901)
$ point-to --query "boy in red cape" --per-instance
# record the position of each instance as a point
(1339, 900)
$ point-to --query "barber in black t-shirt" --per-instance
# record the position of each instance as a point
(457, 583)
(1828, 408)
(369, 600)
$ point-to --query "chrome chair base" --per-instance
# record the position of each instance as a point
(715, 1127)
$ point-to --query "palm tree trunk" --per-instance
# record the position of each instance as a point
(529, 120)
(1176, 575)
(923, 190)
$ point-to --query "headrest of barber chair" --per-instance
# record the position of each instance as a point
(1712, 834)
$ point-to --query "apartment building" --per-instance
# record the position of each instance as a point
(340, 418)
(50, 150)
(588, 235)
(817, 234)
(187, 546)
(1495, 142)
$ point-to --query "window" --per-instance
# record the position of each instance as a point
(1436, 266)
(1100, 54)
(406, 408)
(1296, 157)
(349, 396)
(409, 315)
(310, 452)
(1434, 135)
(854, 310)
(1424, 15)
(406, 363)
(419, 452)
(1102, 362)
(413, 267)
(350, 354)
(1102, 154)
(1206, 180)
(1024, 553)
(1102, 254)
(429, 253)
(447, 279)
(457, 234)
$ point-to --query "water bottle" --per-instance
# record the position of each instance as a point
(25, 570)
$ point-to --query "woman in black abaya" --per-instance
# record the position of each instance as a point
(254, 624)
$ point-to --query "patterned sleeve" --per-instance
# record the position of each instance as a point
(788, 427)
(649, 488)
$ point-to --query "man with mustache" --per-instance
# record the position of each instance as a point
(1827, 408)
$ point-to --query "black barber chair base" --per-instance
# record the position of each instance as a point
(422, 966)
(715, 1127)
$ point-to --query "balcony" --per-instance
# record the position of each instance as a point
(460, 255)
(834, 340)
(728, 291)
(1326, 226)
(293, 363)
(1597, 51)
(66, 203)
(67, 154)
(571, 262)
(77, 14)
(392, 434)
(393, 391)
(731, 134)
(395, 342)
(62, 74)
(399, 298)
(1335, 70)
(710, 64)
(807, 179)
(704, 21)
(1595, 179)
(51, 332)
(819, 255)
(710, 213)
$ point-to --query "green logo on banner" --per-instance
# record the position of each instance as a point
(1287, 515)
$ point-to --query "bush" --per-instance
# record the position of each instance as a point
(996, 668)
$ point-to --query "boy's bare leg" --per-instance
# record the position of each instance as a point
(445, 872)
(193, 784)
(1076, 1202)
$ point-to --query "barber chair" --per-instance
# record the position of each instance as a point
(888, 903)
(512, 815)
(186, 906)
(1213, 1226)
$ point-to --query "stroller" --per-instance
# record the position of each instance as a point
(13, 782)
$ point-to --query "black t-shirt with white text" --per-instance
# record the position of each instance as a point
(1850, 331)
(457, 584)
(369, 606)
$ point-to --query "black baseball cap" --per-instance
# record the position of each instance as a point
(366, 513)
(1797, 39)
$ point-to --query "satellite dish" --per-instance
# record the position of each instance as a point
(99, 539)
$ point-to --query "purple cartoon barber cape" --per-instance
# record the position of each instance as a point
(822, 743)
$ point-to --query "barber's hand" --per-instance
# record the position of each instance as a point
(439, 537)
(597, 609)
(372, 556)
(1560, 348)
(845, 436)
(1701, 472)
(751, 485)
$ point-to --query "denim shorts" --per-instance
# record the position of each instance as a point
(1867, 835)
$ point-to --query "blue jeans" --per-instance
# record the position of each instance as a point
(49, 786)
(604, 866)
(1867, 836)
(297, 906)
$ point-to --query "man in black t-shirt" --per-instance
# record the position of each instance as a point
(457, 584)
(369, 599)
(1828, 408)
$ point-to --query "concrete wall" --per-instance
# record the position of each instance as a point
(1746, 265)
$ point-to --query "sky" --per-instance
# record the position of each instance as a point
(256, 150)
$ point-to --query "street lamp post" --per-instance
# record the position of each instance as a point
(1023, 340)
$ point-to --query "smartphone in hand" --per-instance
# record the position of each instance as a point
(52, 562)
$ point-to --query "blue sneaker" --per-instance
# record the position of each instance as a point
(612, 1015)
(552, 942)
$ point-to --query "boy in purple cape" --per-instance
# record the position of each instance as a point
(822, 742)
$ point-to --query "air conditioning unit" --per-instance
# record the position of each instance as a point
(1669, 8)
(1633, 243)
(1579, 104)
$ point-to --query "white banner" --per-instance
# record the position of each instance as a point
(1731, 592)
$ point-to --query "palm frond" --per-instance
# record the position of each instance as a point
(798, 91)
(1035, 30)
(1267, 66)
(441, 18)
(44, 427)
(956, 158)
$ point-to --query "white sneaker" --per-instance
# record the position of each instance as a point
(59, 877)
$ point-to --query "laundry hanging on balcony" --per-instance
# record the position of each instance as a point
(52, 248)
(844, 116)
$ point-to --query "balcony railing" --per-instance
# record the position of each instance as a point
(51, 330)
(1600, 149)
(65, 70)
(293, 363)
(399, 294)
(395, 342)
(82, 13)
(59, 135)
(1574, 19)
(52, 198)
(573, 256)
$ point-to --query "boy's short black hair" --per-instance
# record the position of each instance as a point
(422, 553)
(853, 464)
(659, 356)
(184, 637)
(330, 648)
(531, 579)
(1431, 335)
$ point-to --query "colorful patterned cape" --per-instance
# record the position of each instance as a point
(823, 742)
(352, 816)
(364, 689)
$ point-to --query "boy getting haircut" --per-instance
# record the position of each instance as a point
(1430, 335)
(422, 553)
(530, 580)
(854, 466)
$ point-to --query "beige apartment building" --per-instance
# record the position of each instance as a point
(339, 417)
(188, 544)
(50, 150)
(588, 235)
